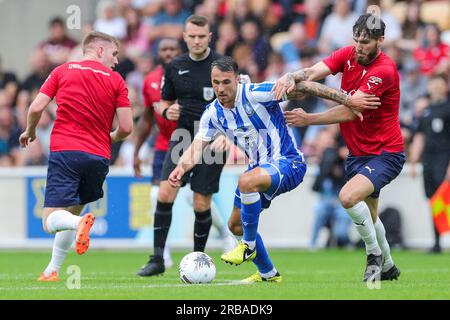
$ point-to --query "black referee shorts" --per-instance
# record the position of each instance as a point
(204, 177)
(434, 171)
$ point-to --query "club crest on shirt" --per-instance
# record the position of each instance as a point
(208, 93)
(248, 109)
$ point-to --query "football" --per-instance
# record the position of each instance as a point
(197, 267)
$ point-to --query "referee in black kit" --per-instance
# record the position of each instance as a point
(186, 91)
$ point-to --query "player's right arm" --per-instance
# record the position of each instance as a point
(34, 114)
(188, 160)
(192, 156)
(125, 127)
(299, 118)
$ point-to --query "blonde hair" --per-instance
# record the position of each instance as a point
(94, 36)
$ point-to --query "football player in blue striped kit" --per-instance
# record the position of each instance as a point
(250, 116)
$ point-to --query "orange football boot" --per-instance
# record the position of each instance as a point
(53, 277)
(82, 238)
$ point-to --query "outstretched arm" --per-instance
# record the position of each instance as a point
(359, 101)
(286, 84)
(299, 118)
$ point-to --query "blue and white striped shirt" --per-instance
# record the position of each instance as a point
(256, 124)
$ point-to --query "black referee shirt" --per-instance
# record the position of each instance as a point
(189, 82)
(435, 125)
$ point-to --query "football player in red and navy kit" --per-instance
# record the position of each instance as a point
(88, 94)
(373, 136)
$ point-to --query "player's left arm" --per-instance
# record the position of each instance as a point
(34, 115)
(299, 118)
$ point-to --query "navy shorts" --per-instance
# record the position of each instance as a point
(74, 178)
(158, 160)
(379, 169)
(286, 174)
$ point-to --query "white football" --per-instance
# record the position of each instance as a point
(197, 267)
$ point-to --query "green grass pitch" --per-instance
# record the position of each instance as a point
(327, 274)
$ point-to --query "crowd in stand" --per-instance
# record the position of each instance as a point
(267, 38)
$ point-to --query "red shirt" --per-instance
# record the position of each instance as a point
(87, 94)
(152, 95)
(380, 129)
(429, 58)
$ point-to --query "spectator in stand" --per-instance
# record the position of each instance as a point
(227, 38)
(243, 56)
(412, 28)
(8, 83)
(136, 40)
(334, 34)
(433, 55)
(9, 132)
(168, 22)
(312, 19)
(252, 36)
(239, 11)
(412, 87)
(108, 21)
(298, 45)
(135, 79)
(58, 45)
(40, 69)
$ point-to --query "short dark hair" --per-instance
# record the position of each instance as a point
(56, 21)
(200, 21)
(370, 26)
(225, 64)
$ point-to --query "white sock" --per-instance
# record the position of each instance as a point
(61, 245)
(384, 245)
(362, 219)
(251, 244)
(269, 274)
(238, 238)
(61, 220)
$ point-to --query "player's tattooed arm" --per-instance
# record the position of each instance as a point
(359, 101)
(318, 90)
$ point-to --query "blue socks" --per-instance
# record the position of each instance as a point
(250, 210)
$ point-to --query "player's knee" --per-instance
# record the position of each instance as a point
(165, 194)
(246, 184)
(235, 228)
(201, 202)
(347, 199)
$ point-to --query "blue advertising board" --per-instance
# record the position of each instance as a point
(125, 211)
